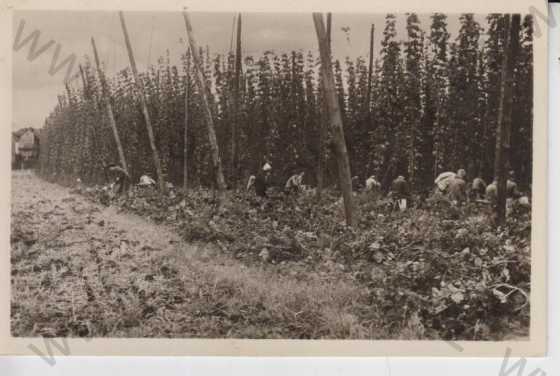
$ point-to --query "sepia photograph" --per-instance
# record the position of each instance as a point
(268, 175)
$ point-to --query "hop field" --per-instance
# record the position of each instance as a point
(284, 268)
(187, 263)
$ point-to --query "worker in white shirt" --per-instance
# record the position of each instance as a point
(372, 184)
(294, 183)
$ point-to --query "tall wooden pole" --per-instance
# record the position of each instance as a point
(236, 94)
(369, 84)
(203, 90)
(185, 148)
(108, 107)
(84, 83)
(87, 89)
(60, 102)
(322, 125)
(344, 174)
(68, 93)
(504, 120)
(329, 27)
(147, 120)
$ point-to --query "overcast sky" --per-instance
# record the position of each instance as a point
(35, 90)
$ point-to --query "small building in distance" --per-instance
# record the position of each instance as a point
(25, 148)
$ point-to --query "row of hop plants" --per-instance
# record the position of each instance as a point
(428, 107)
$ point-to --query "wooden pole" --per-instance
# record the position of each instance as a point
(236, 94)
(329, 27)
(203, 90)
(84, 83)
(68, 93)
(60, 102)
(369, 88)
(344, 174)
(87, 89)
(322, 125)
(504, 121)
(185, 148)
(140, 89)
(108, 107)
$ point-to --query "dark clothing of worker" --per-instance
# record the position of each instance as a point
(399, 188)
(261, 184)
(399, 193)
(121, 178)
(478, 189)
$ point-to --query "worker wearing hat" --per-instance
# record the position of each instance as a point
(262, 180)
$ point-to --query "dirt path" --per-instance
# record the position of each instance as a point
(81, 269)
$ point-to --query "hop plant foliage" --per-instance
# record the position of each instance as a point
(432, 109)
